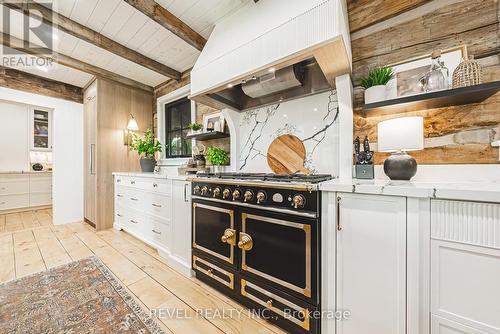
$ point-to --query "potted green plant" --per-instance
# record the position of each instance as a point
(146, 146)
(217, 157)
(195, 127)
(375, 83)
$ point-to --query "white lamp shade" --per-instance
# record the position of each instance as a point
(401, 134)
(132, 124)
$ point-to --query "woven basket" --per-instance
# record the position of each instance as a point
(467, 73)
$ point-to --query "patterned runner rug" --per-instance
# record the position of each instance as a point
(78, 297)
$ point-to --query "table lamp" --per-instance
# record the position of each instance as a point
(398, 136)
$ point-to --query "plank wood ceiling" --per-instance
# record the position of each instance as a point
(121, 22)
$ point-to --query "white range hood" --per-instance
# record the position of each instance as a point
(271, 35)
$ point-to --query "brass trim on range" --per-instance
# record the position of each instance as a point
(209, 272)
(250, 183)
(305, 324)
(306, 291)
(229, 259)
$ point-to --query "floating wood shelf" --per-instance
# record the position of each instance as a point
(438, 99)
(207, 135)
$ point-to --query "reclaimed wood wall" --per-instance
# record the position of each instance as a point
(388, 31)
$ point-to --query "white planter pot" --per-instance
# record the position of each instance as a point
(375, 94)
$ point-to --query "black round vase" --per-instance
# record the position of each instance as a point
(400, 166)
(147, 165)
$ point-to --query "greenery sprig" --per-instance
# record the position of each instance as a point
(377, 76)
(146, 146)
(217, 156)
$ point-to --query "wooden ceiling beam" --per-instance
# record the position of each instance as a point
(31, 83)
(18, 44)
(81, 32)
(168, 20)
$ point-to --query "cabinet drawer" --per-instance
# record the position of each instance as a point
(121, 194)
(470, 223)
(289, 310)
(155, 186)
(8, 202)
(122, 180)
(40, 184)
(160, 232)
(14, 187)
(213, 272)
(157, 204)
(37, 199)
(138, 223)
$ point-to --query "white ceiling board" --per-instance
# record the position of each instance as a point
(63, 7)
(128, 30)
(61, 73)
(102, 13)
(82, 10)
(122, 14)
(143, 34)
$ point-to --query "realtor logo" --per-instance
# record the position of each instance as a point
(27, 33)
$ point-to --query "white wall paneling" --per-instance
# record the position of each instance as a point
(14, 136)
(67, 152)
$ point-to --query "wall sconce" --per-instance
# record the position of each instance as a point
(127, 133)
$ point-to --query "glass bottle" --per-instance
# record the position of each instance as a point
(438, 76)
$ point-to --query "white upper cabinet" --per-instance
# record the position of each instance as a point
(371, 264)
(41, 129)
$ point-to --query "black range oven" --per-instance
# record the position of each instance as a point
(258, 241)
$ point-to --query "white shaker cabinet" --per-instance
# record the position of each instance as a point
(371, 264)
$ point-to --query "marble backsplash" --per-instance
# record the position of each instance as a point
(313, 119)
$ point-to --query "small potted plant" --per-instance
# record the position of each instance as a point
(146, 146)
(195, 127)
(217, 157)
(375, 84)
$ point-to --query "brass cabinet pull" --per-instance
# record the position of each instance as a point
(119, 215)
(134, 199)
(229, 237)
(156, 205)
(154, 231)
(119, 195)
(133, 221)
(118, 181)
(132, 182)
(339, 227)
(269, 303)
(246, 242)
(155, 185)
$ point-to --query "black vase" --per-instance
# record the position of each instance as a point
(147, 165)
(400, 166)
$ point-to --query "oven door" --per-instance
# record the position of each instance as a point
(282, 250)
(214, 231)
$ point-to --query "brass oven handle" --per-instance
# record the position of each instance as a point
(339, 227)
(246, 242)
(229, 237)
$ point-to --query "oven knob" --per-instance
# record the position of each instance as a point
(248, 196)
(217, 192)
(204, 190)
(236, 194)
(298, 201)
(196, 190)
(226, 193)
(261, 197)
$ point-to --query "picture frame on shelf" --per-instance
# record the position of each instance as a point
(408, 72)
(214, 122)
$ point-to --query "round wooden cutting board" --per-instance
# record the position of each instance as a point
(286, 155)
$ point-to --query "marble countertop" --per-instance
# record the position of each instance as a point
(24, 171)
(469, 191)
(153, 175)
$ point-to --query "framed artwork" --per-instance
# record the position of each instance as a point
(407, 73)
(214, 122)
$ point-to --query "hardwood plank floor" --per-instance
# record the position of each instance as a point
(186, 303)
(18, 221)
